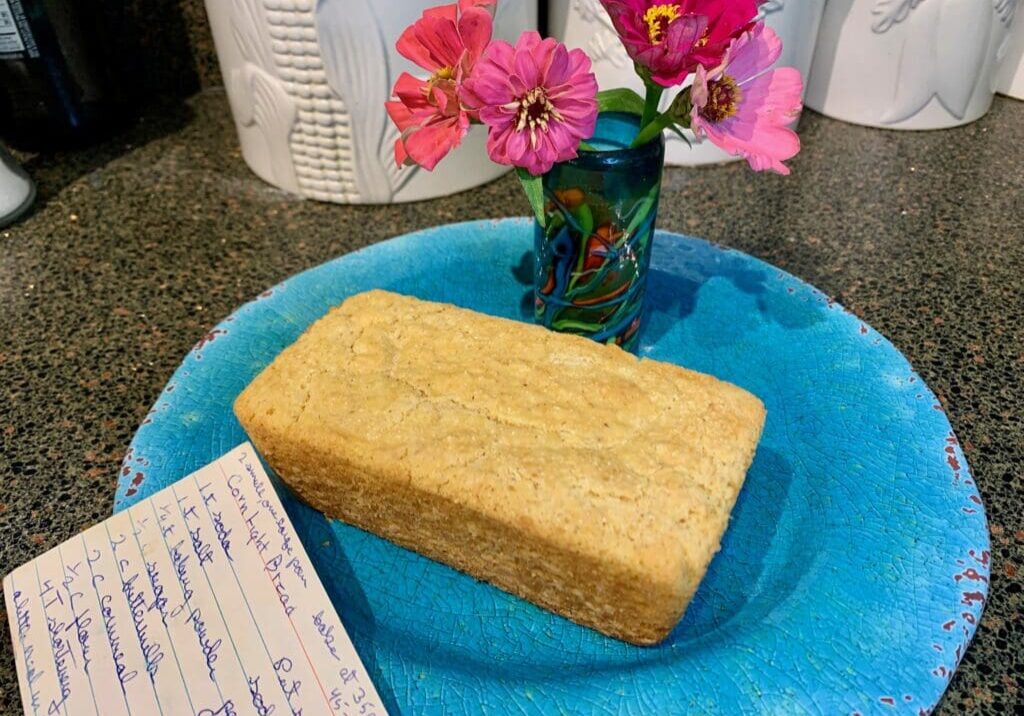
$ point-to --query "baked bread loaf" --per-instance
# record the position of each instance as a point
(567, 472)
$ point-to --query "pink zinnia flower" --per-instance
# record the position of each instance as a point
(538, 99)
(744, 107)
(671, 39)
(447, 41)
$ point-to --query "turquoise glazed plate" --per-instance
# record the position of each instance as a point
(851, 578)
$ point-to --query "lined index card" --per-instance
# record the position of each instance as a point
(199, 600)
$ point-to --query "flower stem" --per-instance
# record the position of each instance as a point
(651, 100)
(652, 129)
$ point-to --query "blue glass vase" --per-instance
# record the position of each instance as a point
(593, 249)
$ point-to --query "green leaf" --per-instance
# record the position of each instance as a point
(620, 100)
(674, 128)
(681, 107)
(533, 186)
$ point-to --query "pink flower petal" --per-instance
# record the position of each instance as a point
(483, 91)
(500, 53)
(726, 18)
(683, 33)
(558, 70)
(577, 111)
(410, 47)
(699, 89)
(401, 155)
(441, 12)
(429, 145)
(465, 5)
(475, 26)
(579, 62)
(431, 42)
(781, 89)
(517, 144)
(752, 53)
(497, 144)
(447, 35)
(544, 154)
(524, 63)
(773, 145)
(564, 140)
(443, 41)
(400, 115)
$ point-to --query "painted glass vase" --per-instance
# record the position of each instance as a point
(593, 249)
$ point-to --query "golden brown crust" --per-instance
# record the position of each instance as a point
(562, 470)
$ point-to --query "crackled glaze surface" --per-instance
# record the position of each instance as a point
(850, 580)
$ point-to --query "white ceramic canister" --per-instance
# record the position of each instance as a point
(585, 24)
(17, 191)
(307, 81)
(909, 64)
(1011, 74)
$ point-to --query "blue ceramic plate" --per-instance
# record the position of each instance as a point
(850, 580)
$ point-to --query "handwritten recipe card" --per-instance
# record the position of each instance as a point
(200, 600)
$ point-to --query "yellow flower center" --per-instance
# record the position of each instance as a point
(724, 96)
(445, 74)
(658, 18)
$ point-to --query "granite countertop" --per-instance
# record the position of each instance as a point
(137, 247)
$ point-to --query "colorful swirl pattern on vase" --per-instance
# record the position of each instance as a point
(593, 249)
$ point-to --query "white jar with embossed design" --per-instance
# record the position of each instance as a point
(1011, 75)
(910, 64)
(307, 81)
(585, 24)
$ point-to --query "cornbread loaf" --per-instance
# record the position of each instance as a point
(562, 470)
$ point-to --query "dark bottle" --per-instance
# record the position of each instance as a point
(58, 85)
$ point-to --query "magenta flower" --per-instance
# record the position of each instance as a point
(745, 108)
(447, 41)
(538, 99)
(671, 39)
(727, 20)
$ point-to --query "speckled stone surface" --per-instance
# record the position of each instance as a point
(137, 247)
(200, 40)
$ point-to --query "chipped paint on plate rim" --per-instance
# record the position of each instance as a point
(852, 576)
